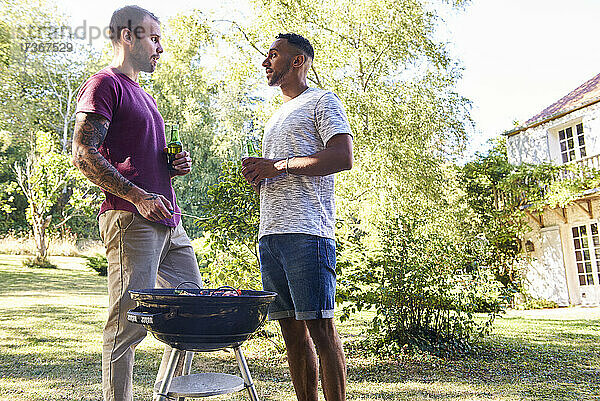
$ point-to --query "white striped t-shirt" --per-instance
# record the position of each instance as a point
(297, 203)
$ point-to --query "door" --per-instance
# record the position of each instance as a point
(586, 243)
(545, 276)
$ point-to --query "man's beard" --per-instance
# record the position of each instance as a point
(140, 61)
(277, 77)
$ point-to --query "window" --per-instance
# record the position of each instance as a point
(587, 253)
(572, 143)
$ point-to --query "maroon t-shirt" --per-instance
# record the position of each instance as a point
(136, 136)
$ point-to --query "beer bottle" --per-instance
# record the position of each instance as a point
(174, 146)
(251, 148)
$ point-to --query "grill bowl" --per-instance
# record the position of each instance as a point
(200, 322)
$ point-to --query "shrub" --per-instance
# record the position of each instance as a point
(97, 263)
(17, 244)
(227, 253)
(65, 245)
(68, 245)
(423, 296)
(234, 265)
(530, 302)
(39, 263)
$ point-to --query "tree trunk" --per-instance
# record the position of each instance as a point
(68, 115)
(39, 233)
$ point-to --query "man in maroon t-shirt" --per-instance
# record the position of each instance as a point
(119, 144)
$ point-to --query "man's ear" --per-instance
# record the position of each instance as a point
(126, 36)
(299, 60)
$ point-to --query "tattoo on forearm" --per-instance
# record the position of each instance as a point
(90, 131)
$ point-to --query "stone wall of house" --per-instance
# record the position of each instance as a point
(540, 144)
(551, 270)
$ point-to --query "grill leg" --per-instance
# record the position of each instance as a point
(163, 391)
(187, 367)
(239, 356)
(187, 364)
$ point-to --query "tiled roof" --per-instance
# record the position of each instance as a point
(584, 94)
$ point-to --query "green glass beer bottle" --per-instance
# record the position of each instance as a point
(251, 148)
(174, 146)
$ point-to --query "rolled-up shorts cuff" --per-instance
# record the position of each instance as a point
(281, 315)
(324, 314)
(312, 315)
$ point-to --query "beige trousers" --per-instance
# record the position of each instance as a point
(141, 254)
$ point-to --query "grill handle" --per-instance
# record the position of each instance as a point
(141, 316)
(187, 282)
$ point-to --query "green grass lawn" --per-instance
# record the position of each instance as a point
(50, 336)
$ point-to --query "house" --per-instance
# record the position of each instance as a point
(564, 243)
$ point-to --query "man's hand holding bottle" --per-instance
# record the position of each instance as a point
(181, 164)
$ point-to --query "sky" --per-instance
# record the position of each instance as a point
(518, 56)
(98, 13)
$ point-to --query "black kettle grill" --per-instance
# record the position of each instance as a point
(201, 320)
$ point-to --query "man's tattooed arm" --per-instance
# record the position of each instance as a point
(90, 131)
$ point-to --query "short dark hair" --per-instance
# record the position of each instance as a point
(299, 42)
(129, 17)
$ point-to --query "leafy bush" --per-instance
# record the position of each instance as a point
(227, 253)
(231, 208)
(529, 302)
(17, 244)
(14, 243)
(97, 263)
(422, 292)
(235, 265)
(39, 262)
(492, 190)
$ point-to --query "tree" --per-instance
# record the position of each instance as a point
(231, 210)
(397, 85)
(500, 222)
(4, 45)
(183, 93)
(42, 179)
(38, 94)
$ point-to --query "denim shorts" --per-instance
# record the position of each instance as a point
(300, 268)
